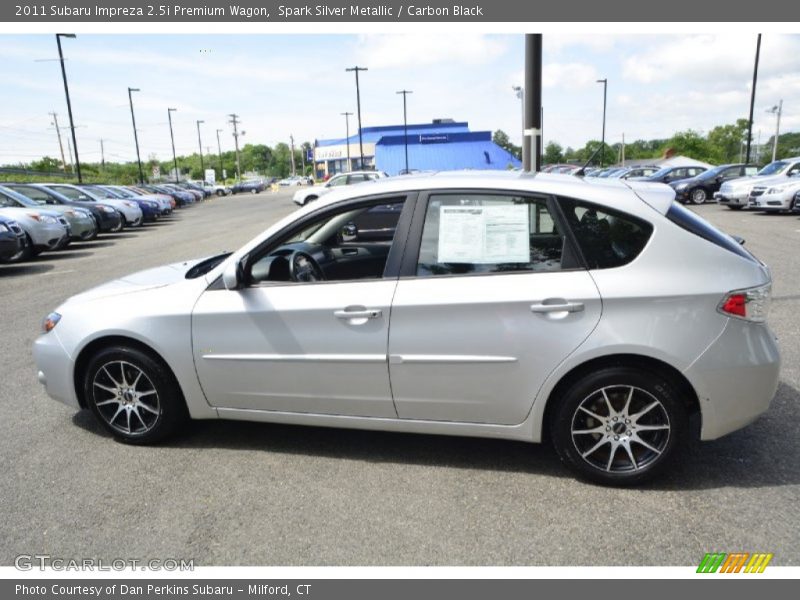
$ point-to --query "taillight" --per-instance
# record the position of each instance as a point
(750, 304)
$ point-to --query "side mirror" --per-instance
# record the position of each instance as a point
(349, 232)
(232, 276)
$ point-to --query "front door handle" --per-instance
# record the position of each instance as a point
(365, 313)
(562, 306)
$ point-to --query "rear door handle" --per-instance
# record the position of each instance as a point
(367, 313)
(546, 307)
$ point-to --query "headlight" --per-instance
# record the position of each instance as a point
(46, 219)
(50, 321)
(681, 186)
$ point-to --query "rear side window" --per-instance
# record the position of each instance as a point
(606, 237)
(691, 222)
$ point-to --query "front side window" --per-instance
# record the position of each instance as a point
(607, 238)
(347, 244)
(467, 234)
(34, 194)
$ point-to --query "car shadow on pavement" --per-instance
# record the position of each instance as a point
(90, 245)
(7, 270)
(64, 254)
(764, 454)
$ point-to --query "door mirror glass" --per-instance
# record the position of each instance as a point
(349, 232)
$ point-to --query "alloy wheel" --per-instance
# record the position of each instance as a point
(126, 398)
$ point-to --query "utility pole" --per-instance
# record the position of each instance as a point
(752, 99)
(69, 149)
(623, 148)
(172, 139)
(69, 104)
(291, 139)
(603, 138)
(234, 121)
(405, 123)
(200, 145)
(358, 105)
(776, 110)
(219, 154)
(135, 135)
(102, 156)
(347, 116)
(60, 144)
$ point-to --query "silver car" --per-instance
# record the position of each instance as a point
(598, 314)
(44, 229)
(130, 211)
(82, 226)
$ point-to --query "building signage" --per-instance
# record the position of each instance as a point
(433, 139)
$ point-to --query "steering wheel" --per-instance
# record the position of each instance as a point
(303, 268)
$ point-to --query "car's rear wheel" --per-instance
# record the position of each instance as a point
(698, 196)
(618, 426)
(133, 395)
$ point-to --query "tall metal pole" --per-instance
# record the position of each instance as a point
(234, 121)
(200, 145)
(135, 135)
(533, 101)
(520, 93)
(291, 146)
(102, 156)
(69, 104)
(172, 139)
(219, 154)
(603, 138)
(775, 110)
(358, 104)
(60, 144)
(347, 134)
(405, 122)
(752, 99)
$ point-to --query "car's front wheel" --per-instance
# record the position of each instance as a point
(133, 395)
(618, 426)
(698, 196)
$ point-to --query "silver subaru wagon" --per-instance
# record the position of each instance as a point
(598, 314)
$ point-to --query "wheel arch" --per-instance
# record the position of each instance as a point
(108, 341)
(682, 385)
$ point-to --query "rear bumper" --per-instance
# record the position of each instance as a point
(736, 377)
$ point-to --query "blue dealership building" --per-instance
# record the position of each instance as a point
(442, 145)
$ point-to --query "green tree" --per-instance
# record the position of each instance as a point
(690, 143)
(500, 138)
(281, 161)
(553, 153)
(726, 141)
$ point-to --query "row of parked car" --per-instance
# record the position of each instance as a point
(40, 217)
(774, 188)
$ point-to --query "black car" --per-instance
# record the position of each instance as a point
(106, 217)
(700, 188)
(12, 240)
(670, 174)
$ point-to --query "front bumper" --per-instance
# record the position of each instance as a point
(732, 198)
(82, 228)
(736, 377)
(770, 202)
(10, 245)
(48, 236)
(55, 368)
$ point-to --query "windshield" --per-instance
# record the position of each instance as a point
(104, 193)
(772, 168)
(661, 172)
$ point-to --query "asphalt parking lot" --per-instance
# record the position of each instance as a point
(255, 494)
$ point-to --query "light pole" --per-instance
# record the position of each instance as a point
(135, 135)
(358, 106)
(405, 123)
(753, 99)
(776, 110)
(172, 139)
(520, 92)
(69, 104)
(200, 145)
(347, 116)
(219, 153)
(603, 138)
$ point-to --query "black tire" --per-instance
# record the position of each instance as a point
(220, 193)
(118, 227)
(603, 445)
(698, 196)
(113, 378)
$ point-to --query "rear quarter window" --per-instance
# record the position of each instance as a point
(693, 223)
(607, 238)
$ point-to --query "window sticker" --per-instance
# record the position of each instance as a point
(484, 234)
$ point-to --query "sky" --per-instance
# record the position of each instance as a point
(296, 85)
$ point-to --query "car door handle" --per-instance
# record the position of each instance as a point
(545, 307)
(366, 313)
(349, 251)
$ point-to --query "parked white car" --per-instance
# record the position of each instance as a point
(598, 314)
(735, 194)
(776, 198)
(314, 192)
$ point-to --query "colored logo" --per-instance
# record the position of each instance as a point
(737, 562)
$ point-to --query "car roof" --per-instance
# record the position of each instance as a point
(605, 191)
